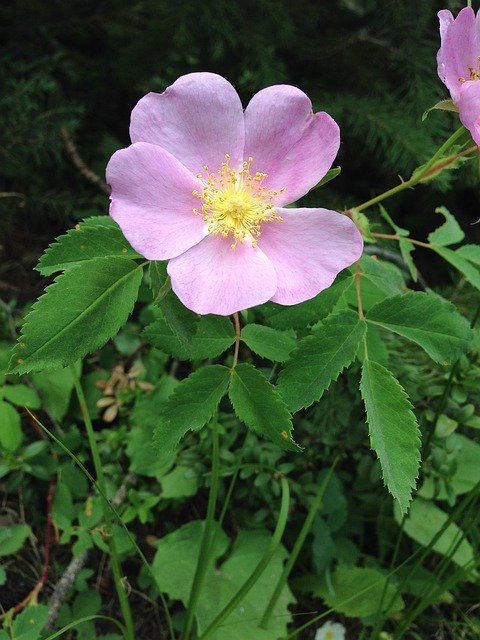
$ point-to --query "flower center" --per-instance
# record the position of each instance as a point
(474, 73)
(236, 202)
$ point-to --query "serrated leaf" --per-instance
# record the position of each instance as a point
(182, 321)
(320, 358)
(191, 405)
(98, 221)
(269, 343)
(470, 252)
(378, 280)
(443, 105)
(393, 428)
(212, 336)
(450, 231)
(160, 283)
(428, 320)
(85, 243)
(311, 311)
(84, 307)
(257, 404)
(457, 260)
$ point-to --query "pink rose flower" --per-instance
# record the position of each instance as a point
(204, 185)
(459, 64)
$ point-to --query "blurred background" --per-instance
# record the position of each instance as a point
(71, 72)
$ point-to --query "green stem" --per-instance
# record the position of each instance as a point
(115, 562)
(417, 177)
(297, 547)
(261, 566)
(208, 534)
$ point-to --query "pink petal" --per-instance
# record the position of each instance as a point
(290, 143)
(460, 48)
(469, 108)
(152, 201)
(198, 119)
(213, 278)
(308, 249)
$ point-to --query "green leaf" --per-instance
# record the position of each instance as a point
(84, 307)
(99, 221)
(55, 387)
(21, 395)
(12, 538)
(320, 358)
(182, 482)
(269, 343)
(212, 336)
(378, 280)
(10, 431)
(85, 243)
(425, 520)
(175, 562)
(29, 623)
(159, 280)
(406, 247)
(470, 252)
(182, 321)
(357, 592)
(443, 105)
(311, 311)
(191, 405)
(394, 432)
(330, 175)
(257, 404)
(428, 320)
(457, 260)
(3, 576)
(467, 470)
(450, 231)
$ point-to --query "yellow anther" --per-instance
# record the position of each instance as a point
(236, 203)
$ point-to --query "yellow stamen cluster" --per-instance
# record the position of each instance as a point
(474, 73)
(236, 202)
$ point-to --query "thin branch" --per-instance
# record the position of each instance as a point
(79, 163)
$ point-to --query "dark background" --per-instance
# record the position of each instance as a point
(83, 64)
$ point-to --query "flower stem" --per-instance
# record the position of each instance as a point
(261, 566)
(297, 547)
(208, 534)
(115, 562)
(236, 322)
(417, 177)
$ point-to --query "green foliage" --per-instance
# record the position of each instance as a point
(426, 522)
(260, 407)
(269, 343)
(175, 562)
(191, 339)
(449, 233)
(85, 242)
(85, 307)
(357, 592)
(431, 322)
(198, 396)
(12, 538)
(394, 433)
(320, 358)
